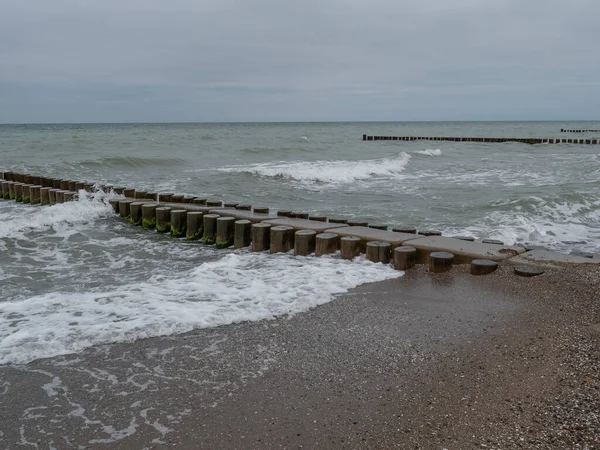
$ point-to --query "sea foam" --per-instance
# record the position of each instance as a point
(239, 286)
(324, 171)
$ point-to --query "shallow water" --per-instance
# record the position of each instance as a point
(73, 275)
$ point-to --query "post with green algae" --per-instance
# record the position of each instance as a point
(19, 192)
(225, 232)
(210, 228)
(163, 219)
(178, 222)
(34, 194)
(149, 216)
(135, 213)
(195, 226)
(45, 195)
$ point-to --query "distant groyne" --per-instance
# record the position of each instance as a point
(237, 225)
(483, 139)
(562, 130)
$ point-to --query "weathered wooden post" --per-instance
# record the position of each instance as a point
(225, 232)
(326, 243)
(5, 191)
(405, 257)
(304, 242)
(378, 251)
(114, 202)
(349, 247)
(149, 216)
(440, 262)
(125, 208)
(483, 266)
(210, 228)
(163, 219)
(194, 225)
(18, 192)
(281, 239)
(44, 195)
(261, 237)
(52, 196)
(135, 213)
(178, 222)
(243, 234)
(26, 196)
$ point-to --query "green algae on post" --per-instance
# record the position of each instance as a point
(148, 224)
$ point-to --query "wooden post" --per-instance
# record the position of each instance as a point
(195, 224)
(25, 195)
(318, 218)
(261, 210)
(242, 233)
(405, 257)
(210, 228)
(114, 202)
(440, 262)
(281, 239)
(349, 247)
(165, 197)
(135, 213)
(129, 193)
(149, 216)
(225, 232)
(18, 192)
(483, 266)
(178, 222)
(124, 208)
(357, 223)
(326, 243)
(379, 251)
(261, 237)
(52, 196)
(304, 242)
(163, 219)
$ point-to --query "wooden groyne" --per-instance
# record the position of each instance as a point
(233, 225)
(482, 139)
(562, 130)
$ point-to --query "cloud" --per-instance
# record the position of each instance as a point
(89, 60)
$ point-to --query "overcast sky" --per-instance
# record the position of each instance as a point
(277, 60)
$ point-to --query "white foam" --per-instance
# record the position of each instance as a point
(559, 225)
(85, 210)
(430, 152)
(327, 171)
(240, 286)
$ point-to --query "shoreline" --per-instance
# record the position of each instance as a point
(423, 361)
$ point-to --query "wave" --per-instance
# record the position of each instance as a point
(86, 209)
(128, 162)
(429, 152)
(327, 171)
(238, 287)
(562, 223)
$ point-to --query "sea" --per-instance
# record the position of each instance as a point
(74, 275)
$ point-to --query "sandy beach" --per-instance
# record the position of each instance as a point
(448, 361)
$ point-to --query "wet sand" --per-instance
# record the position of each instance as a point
(425, 361)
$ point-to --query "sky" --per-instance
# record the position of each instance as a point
(65, 61)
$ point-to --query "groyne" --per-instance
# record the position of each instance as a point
(562, 130)
(233, 225)
(531, 141)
